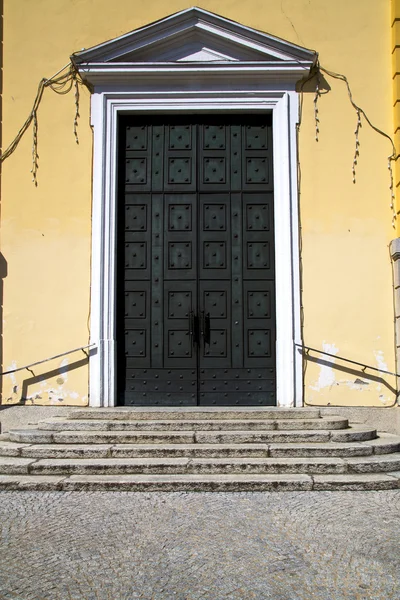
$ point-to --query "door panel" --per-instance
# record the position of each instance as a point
(215, 304)
(179, 306)
(196, 293)
(180, 245)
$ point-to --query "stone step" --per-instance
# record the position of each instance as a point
(38, 436)
(201, 483)
(194, 413)
(157, 466)
(61, 424)
(355, 433)
(132, 450)
(384, 444)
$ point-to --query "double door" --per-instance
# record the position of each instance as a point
(196, 293)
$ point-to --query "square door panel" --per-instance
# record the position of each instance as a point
(136, 137)
(136, 343)
(137, 173)
(214, 170)
(215, 302)
(180, 217)
(214, 217)
(257, 255)
(258, 304)
(218, 344)
(179, 344)
(179, 170)
(258, 343)
(136, 304)
(179, 137)
(137, 260)
(257, 216)
(257, 170)
(180, 255)
(136, 217)
(136, 255)
(179, 304)
(214, 255)
(256, 137)
(214, 137)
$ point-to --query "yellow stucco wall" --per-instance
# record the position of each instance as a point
(346, 228)
(395, 22)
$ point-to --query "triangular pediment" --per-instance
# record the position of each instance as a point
(194, 36)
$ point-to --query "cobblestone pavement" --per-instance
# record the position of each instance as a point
(187, 546)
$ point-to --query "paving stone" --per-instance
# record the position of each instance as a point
(200, 546)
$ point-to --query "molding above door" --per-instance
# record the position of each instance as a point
(189, 37)
(193, 83)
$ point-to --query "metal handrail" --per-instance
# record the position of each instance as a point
(354, 362)
(39, 362)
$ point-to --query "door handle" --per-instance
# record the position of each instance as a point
(194, 328)
(206, 327)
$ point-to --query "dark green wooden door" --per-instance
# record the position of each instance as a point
(196, 293)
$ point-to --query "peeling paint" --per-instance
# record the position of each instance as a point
(64, 369)
(326, 375)
(380, 361)
(11, 367)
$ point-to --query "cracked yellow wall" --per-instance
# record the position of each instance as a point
(346, 228)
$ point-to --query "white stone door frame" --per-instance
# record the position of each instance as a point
(107, 104)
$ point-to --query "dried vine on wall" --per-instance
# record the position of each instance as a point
(61, 83)
(68, 78)
(316, 72)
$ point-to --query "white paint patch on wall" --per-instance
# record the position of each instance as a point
(64, 369)
(12, 367)
(326, 375)
(381, 364)
(380, 360)
(51, 392)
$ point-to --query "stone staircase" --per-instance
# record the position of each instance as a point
(198, 449)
